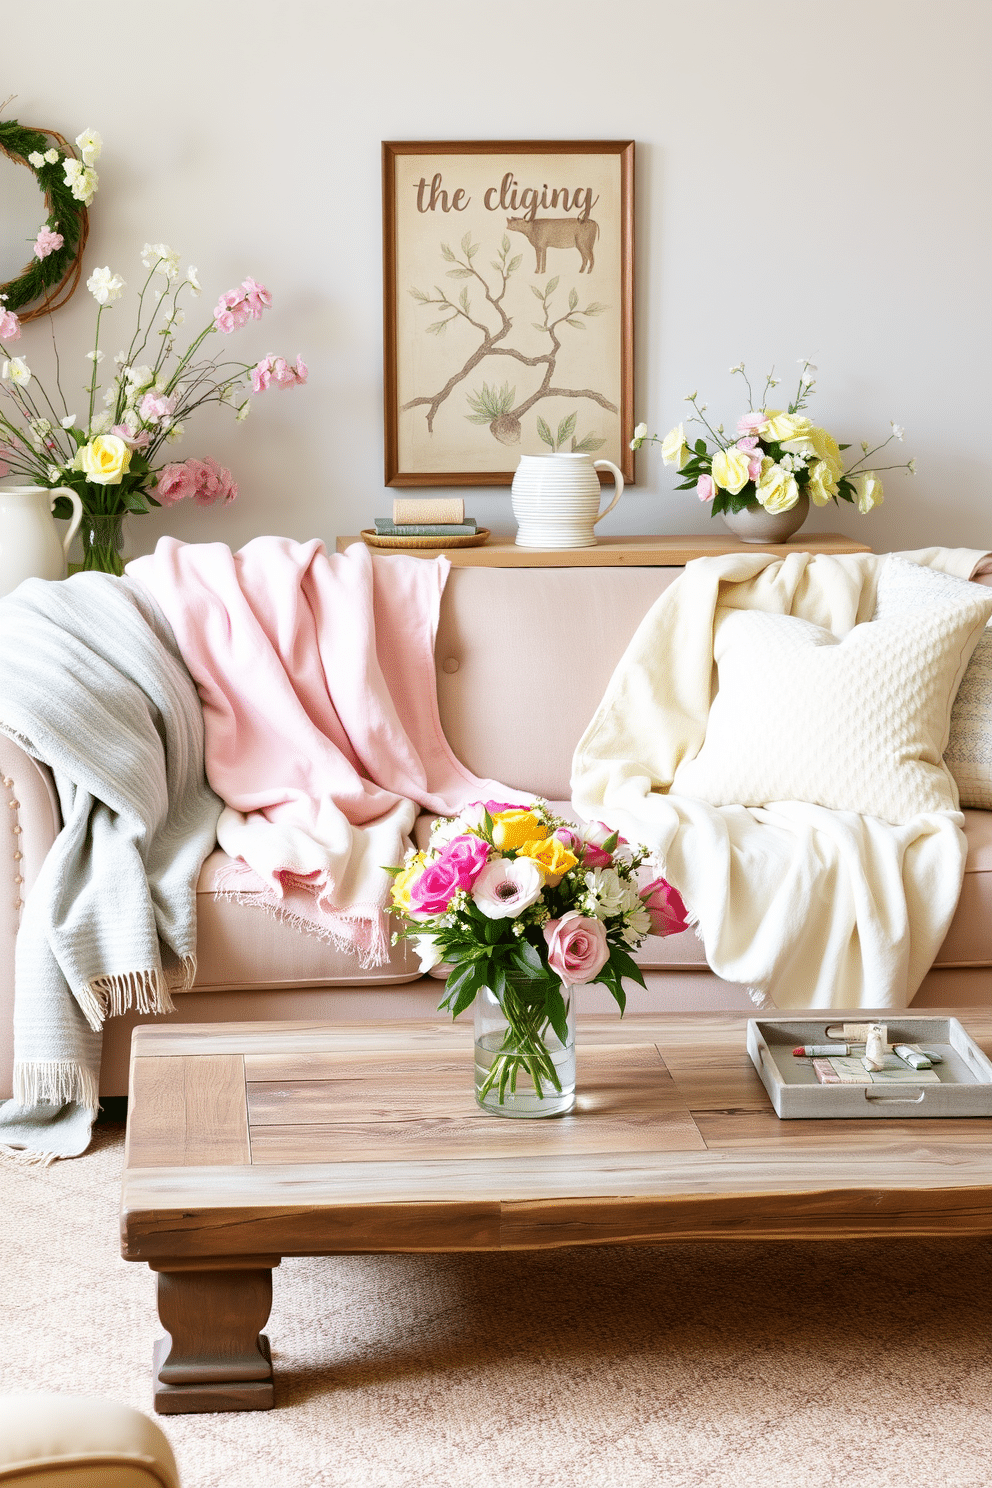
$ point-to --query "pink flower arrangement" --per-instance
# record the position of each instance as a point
(276, 369)
(206, 482)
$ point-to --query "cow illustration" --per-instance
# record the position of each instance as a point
(557, 232)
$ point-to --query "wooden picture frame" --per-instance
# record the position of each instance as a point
(508, 306)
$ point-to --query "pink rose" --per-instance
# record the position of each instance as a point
(748, 444)
(47, 242)
(751, 421)
(705, 488)
(434, 890)
(469, 854)
(577, 948)
(495, 807)
(571, 840)
(214, 486)
(594, 855)
(10, 326)
(664, 904)
(175, 483)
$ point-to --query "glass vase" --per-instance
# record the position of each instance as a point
(103, 543)
(522, 1068)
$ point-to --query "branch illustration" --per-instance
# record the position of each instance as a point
(494, 406)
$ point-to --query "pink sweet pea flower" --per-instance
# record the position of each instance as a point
(47, 242)
(10, 326)
(155, 406)
(577, 948)
(751, 422)
(131, 439)
(664, 905)
(706, 488)
(231, 312)
(256, 297)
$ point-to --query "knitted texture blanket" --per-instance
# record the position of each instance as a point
(316, 674)
(92, 685)
(805, 905)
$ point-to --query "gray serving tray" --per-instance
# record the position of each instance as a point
(965, 1087)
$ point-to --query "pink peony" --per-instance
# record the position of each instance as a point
(706, 488)
(751, 421)
(47, 242)
(175, 483)
(577, 948)
(10, 326)
(664, 904)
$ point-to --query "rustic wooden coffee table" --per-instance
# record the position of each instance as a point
(249, 1142)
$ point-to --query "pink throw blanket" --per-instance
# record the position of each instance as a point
(316, 675)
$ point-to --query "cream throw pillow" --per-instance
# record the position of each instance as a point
(857, 723)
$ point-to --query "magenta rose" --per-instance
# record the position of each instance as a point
(664, 904)
(457, 867)
(571, 840)
(577, 948)
(594, 855)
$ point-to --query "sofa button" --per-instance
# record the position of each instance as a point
(449, 664)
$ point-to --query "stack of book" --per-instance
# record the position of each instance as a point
(436, 517)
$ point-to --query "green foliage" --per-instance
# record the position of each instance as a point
(62, 213)
(491, 403)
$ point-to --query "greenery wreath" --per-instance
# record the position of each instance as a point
(52, 279)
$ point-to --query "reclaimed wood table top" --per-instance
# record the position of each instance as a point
(642, 551)
(307, 1139)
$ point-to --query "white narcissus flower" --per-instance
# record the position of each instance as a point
(16, 371)
(506, 887)
(89, 144)
(105, 286)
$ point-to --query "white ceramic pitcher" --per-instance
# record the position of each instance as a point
(30, 546)
(556, 500)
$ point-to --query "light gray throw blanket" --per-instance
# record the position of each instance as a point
(92, 684)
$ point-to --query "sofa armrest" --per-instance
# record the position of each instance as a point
(30, 821)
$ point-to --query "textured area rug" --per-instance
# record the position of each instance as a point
(730, 1366)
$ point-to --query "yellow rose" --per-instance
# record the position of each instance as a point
(512, 829)
(777, 490)
(730, 470)
(870, 492)
(674, 448)
(783, 426)
(822, 485)
(401, 883)
(825, 447)
(552, 857)
(104, 460)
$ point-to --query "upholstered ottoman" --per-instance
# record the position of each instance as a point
(71, 1441)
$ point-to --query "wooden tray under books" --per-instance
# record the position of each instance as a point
(462, 540)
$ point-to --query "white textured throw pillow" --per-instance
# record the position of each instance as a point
(857, 723)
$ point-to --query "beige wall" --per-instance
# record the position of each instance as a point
(812, 177)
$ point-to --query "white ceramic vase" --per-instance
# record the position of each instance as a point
(30, 545)
(556, 500)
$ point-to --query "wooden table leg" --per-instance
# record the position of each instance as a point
(215, 1358)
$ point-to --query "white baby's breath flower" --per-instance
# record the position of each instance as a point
(36, 159)
(100, 424)
(51, 156)
(105, 286)
(89, 144)
(41, 427)
(897, 430)
(16, 371)
(54, 474)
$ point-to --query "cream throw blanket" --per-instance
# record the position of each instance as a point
(805, 906)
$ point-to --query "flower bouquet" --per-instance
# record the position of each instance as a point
(114, 457)
(777, 457)
(523, 907)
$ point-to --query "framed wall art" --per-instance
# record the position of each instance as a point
(508, 315)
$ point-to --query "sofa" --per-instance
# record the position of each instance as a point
(523, 657)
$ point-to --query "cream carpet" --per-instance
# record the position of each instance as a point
(747, 1366)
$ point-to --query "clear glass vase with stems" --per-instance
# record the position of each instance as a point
(103, 542)
(522, 1068)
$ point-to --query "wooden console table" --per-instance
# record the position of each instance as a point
(650, 551)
